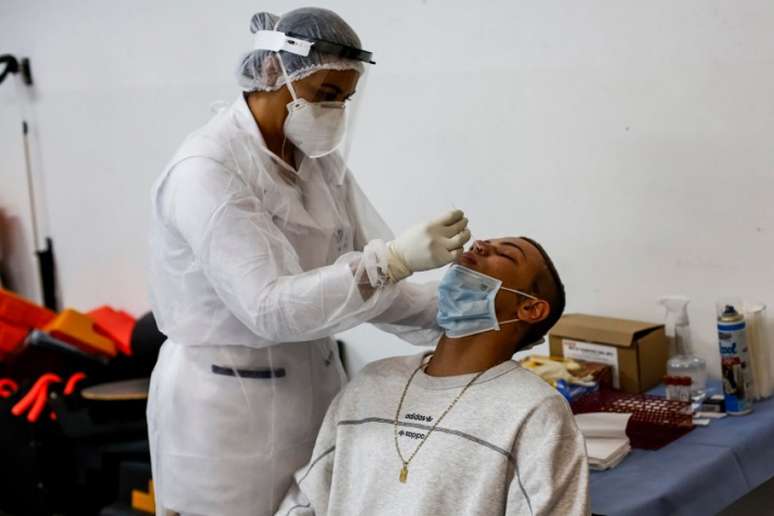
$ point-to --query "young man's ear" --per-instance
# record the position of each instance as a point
(533, 311)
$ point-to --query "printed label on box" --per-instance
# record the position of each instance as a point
(593, 353)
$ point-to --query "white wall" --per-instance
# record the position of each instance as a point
(633, 138)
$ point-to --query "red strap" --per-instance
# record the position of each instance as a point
(26, 402)
(40, 403)
(7, 387)
(8, 382)
(71, 383)
(32, 398)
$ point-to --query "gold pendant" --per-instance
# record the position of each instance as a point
(403, 474)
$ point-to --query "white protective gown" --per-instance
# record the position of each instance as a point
(250, 278)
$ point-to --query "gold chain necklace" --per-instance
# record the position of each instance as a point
(404, 470)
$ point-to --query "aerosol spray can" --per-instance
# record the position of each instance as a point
(734, 359)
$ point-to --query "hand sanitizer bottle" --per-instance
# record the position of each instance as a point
(682, 361)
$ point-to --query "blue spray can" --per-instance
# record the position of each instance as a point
(734, 361)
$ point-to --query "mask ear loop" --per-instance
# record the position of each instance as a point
(288, 83)
(285, 72)
(530, 296)
(292, 91)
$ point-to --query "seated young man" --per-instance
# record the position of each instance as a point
(463, 430)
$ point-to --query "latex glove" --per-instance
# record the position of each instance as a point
(428, 246)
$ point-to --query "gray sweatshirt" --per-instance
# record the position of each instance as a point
(509, 446)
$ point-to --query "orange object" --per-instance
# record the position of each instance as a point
(145, 502)
(117, 325)
(21, 312)
(78, 329)
(11, 337)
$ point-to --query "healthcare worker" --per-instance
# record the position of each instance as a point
(262, 248)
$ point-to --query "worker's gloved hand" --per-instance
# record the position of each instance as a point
(428, 246)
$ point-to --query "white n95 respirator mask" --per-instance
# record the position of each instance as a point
(316, 128)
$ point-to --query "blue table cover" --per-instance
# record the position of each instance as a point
(701, 473)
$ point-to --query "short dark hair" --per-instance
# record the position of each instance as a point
(547, 285)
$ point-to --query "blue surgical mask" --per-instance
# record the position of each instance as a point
(466, 302)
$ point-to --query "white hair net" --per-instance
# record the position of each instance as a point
(259, 69)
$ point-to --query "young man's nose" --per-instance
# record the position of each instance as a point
(481, 248)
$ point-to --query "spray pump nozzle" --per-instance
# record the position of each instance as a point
(676, 312)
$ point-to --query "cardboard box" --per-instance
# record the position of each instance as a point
(636, 350)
